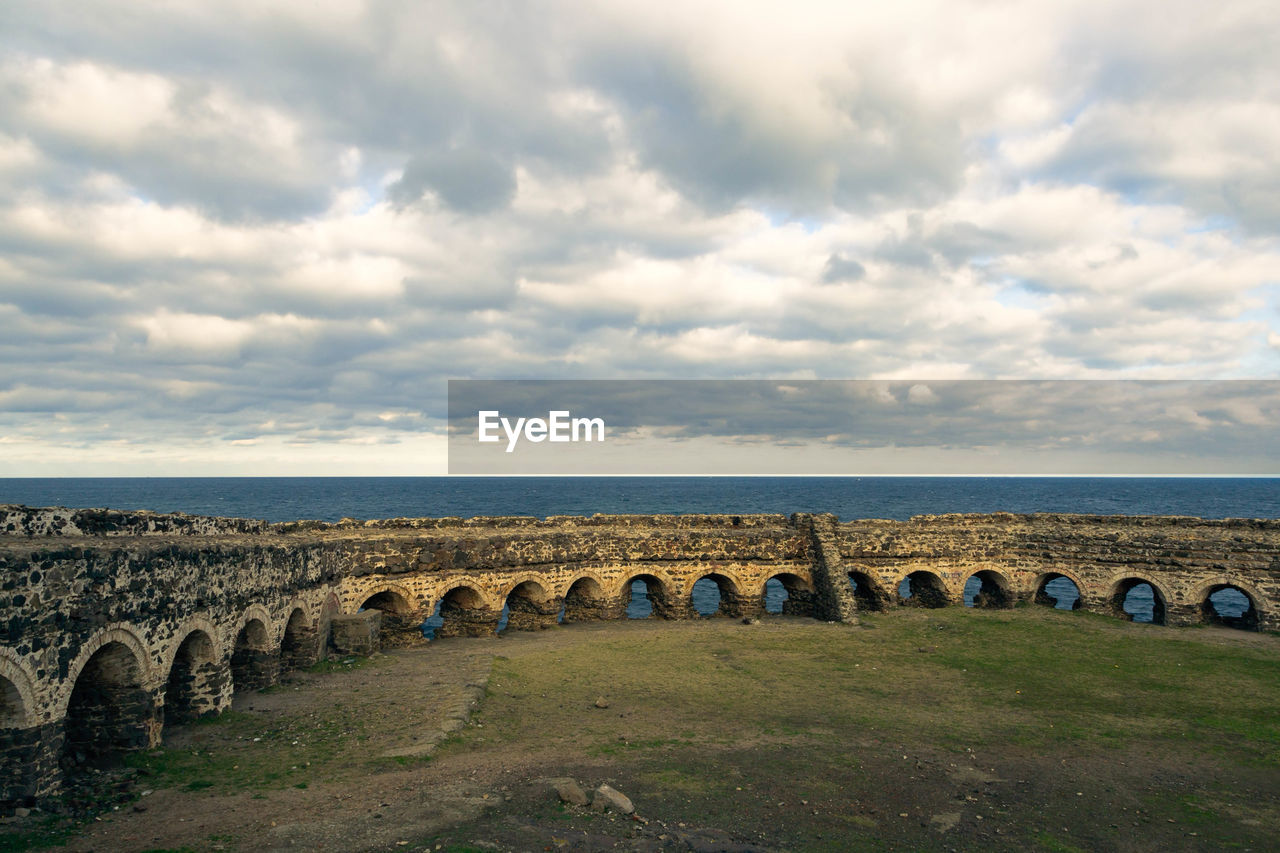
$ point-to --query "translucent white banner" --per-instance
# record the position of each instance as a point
(864, 427)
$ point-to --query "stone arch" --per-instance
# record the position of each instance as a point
(530, 605)
(1250, 620)
(595, 581)
(110, 709)
(927, 589)
(868, 593)
(296, 604)
(401, 621)
(1120, 586)
(543, 589)
(586, 599)
(466, 612)
(17, 693)
(299, 643)
(23, 741)
(799, 592)
(197, 682)
(1042, 597)
(123, 633)
(995, 590)
(658, 576)
(199, 622)
(735, 582)
(659, 592)
(387, 597)
(729, 590)
(253, 663)
(259, 612)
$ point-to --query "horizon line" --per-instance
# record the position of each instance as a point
(1075, 476)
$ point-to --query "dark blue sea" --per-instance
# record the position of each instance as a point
(333, 498)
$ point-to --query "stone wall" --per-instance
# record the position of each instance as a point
(1183, 559)
(116, 624)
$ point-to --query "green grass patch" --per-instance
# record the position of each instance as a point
(1036, 678)
(717, 722)
(340, 664)
(51, 831)
(245, 752)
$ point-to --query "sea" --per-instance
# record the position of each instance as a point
(334, 498)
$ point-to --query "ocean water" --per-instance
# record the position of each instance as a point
(333, 498)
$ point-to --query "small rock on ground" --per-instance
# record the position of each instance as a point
(569, 792)
(608, 798)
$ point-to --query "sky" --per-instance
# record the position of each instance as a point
(259, 237)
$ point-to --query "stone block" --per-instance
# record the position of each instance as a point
(356, 633)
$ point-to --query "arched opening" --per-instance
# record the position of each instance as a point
(640, 604)
(775, 596)
(13, 713)
(987, 589)
(528, 608)
(462, 613)
(714, 595)
(195, 684)
(298, 646)
(1136, 600)
(586, 602)
(787, 594)
(109, 712)
(388, 601)
(1230, 606)
(1059, 592)
(431, 625)
(867, 593)
(646, 597)
(704, 598)
(922, 589)
(252, 666)
(20, 748)
(400, 623)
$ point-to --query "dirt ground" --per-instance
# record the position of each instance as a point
(908, 732)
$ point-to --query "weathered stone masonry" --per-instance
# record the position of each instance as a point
(115, 625)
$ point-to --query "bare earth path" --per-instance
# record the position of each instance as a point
(399, 704)
(1024, 729)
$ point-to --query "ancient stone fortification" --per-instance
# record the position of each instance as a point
(114, 626)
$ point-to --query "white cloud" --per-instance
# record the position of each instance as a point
(202, 203)
(213, 336)
(85, 101)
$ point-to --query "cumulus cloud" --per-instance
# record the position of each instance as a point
(839, 268)
(466, 180)
(225, 223)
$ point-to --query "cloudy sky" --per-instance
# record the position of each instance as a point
(247, 237)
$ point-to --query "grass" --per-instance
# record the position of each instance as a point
(340, 664)
(717, 724)
(813, 736)
(1036, 680)
(239, 751)
(50, 831)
